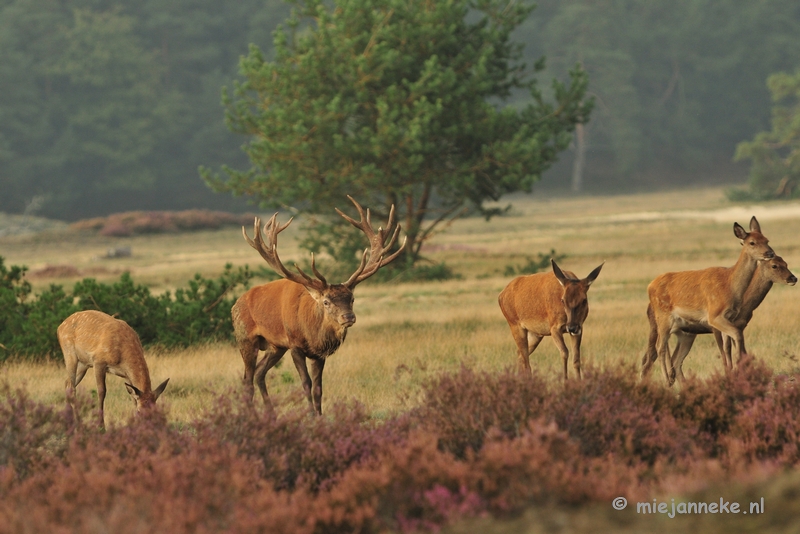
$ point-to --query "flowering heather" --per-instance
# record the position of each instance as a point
(478, 445)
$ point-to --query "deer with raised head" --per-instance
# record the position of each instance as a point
(768, 273)
(304, 315)
(688, 303)
(547, 304)
(93, 339)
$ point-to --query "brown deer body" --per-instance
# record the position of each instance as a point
(547, 304)
(303, 315)
(768, 273)
(690, 302)
(93, 339)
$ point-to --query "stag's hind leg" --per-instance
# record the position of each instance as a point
(249, 350)
(272, 356)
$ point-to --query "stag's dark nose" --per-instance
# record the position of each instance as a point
(792, 280)
(347, 319)
(769, 254)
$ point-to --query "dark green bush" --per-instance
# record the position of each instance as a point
(194, 314)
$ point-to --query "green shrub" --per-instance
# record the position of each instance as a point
(195, 314)
(541, 263)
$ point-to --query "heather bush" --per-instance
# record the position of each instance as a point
(479, 444)
(149, 222)
(613, 412)
(463, 407)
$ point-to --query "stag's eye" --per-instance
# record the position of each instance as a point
(752, 242)
(326, 302)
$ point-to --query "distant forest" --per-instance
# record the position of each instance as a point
(108, 106)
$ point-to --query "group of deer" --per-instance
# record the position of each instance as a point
(718, 300)
(298, 313)
(309, 317)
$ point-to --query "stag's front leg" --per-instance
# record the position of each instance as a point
(299, 359)
(576, 353)
(316, 383)
(558, 339)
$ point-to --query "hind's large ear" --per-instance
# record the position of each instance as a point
(593, 275)
(133, 391)
(754, 226)
(160, 389)
(557, 271)
(740, 232)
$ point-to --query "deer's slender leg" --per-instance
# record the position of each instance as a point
(576, 353)
(558, 339)
(272, 356)
(299, 359)
(316, 383)
(100, 377)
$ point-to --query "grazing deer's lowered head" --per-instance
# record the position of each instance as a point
(93, 339)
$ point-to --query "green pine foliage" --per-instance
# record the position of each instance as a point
(775, 155)
(197, 313)
(397, 102)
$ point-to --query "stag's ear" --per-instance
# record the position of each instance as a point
(160, 389)
(593, 275)
(316, 295)
(557, 271)
(133, 391)
(754, 226)
(740, 232)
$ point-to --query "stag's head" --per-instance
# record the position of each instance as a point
(755, 244)
(336, 300)
(145, 400)
(777, 271)
(574, 298)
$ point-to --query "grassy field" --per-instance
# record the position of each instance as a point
(406, 332)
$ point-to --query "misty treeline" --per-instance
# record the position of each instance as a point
(108, 106)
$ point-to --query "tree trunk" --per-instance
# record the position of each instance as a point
(580, 158)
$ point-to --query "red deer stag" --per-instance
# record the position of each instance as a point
(547, 304)
(95, 339)
(774, 271)
(306, 316)
(687, 303)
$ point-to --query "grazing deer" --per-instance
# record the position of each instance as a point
(95, 339)
(547, 304)
(306, 316)
(688, 303)
(769, 272)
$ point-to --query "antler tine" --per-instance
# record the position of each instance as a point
(375, 256)
(269, 251)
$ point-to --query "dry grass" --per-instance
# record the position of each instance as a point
(407, 332)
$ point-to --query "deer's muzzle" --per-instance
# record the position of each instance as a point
(574, 329)
(347, 319)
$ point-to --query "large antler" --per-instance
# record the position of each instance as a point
(377, 249)
(269, 251)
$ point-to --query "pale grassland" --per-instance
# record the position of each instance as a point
(406, 333)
